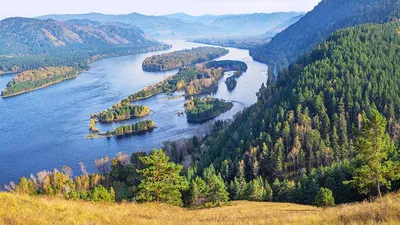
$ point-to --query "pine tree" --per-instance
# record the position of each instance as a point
(161, 180)
(268, 193)
(373, 147)
(255, 189)
(217, 190)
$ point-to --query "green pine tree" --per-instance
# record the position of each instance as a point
(375, 169)
(161, 180)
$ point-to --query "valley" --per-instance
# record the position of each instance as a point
(103, 85)
(229, 118)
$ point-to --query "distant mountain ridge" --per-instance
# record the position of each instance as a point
(318, 24)
(30, 36)
(156, 26)
(254, 24)
(181, 25)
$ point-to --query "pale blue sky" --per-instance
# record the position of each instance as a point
(32, 8)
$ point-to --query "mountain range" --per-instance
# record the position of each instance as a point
(318, 24)
(181, 25)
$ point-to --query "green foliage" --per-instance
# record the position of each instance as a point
(324, 198)
(25, 186)
(316, 26)
(97, 194)
(123, 111)
(182, 58)
(142, 126)
(161, 180)
(374, 167)
(202, 109)
(33, 79)
(303, 120)
(228, 65)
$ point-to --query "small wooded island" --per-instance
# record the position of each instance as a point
(122, 111)
(203, 109)
(182, 58)
(34, 79)
(128, 129)
(230, 65)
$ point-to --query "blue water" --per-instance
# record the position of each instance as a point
(46, 128)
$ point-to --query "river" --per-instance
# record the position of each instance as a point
(46, 128)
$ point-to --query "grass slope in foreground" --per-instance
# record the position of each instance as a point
(182, 58)
(21, 209)
(34, 79)
(202, 109)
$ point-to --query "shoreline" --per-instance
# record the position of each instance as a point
(113, 121)
(104, 135)
(86, 69)
(34, 89)
(209, 118)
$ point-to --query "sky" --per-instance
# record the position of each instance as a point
(32, 8)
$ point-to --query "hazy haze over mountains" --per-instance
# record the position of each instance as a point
(182, 25)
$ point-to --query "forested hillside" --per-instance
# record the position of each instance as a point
(310, 116)
(27, 36)
(27, 44)
(318, 24)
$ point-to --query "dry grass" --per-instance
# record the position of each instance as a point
(19, 209)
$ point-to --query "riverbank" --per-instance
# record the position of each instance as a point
(37, 88)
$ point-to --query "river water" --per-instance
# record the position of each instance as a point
(46, 128)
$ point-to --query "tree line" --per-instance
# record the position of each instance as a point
(202, 109)
(178, 59)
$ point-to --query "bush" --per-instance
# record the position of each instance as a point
(324, 198)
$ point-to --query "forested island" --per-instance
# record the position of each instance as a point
(122, 111)
(34, 79)
(128, 129)
(182, 58)
(203, 109)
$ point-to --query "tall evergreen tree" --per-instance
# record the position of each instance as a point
(161, 180)
(374, 169)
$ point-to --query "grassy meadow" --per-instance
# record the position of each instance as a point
(21, 209)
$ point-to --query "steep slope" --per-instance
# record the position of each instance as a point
(317, 25)
(253, 24)
(281, 27)
(29, 36)
(155, 26)
(305, 119)
(19, 209)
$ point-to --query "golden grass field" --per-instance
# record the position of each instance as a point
(20, 209)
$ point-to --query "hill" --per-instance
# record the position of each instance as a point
(20, 209)
(27, 36)
(305, 122)
(27, 44)
(318, 24)
(281, 27)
